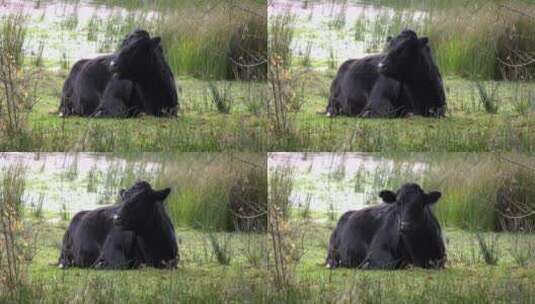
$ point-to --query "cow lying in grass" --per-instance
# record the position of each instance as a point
(136, 231)
(136, 79)
(400, 232)
(403, 80)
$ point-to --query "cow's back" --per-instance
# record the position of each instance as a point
(85, 236)
(67, 96)
(352, 86)
(84, 87)
(355, 232)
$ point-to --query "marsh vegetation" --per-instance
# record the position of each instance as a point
(476, 190)
(41, 193)
(210, 46)
(484, 51)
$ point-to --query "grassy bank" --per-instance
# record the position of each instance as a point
(214, 266)
(247, 127)
(467, 277)
(480, 268)
(200, 278)
(483, 115)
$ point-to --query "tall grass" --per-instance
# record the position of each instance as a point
(200, 39)
(280, 231)
(18, 86)
(280, 79)
(208, 39)
(474, 39)
(16, 237)
(480, 191)
(487, 40)
(201, 197)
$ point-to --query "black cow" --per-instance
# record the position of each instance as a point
(141, 60)
(404, 80)
(402, 231)
(135, 231)
(93, 87)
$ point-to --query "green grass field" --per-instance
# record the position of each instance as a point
(201, 127)
(467, 126)
(201, 279)
(466, 278)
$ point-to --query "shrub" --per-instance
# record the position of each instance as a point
(248, 201)
(16, 238)
(18, 86)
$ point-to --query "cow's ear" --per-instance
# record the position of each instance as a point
(163, 194)
(155, 41)
(121, 193)
(388, 196)
(423, 41)
(433, 197)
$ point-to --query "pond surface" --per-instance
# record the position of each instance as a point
(337, 182)
(67, 31)
(73, 182)
(338, 30)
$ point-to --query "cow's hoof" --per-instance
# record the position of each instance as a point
(61, 114)
(329, 114)
(61, 266)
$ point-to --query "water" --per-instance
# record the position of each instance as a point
(62, 29)
(60, 181)
(342, 181)
(339, 29)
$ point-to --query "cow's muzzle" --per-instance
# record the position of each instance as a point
(113, 67)
(404, 226)
(117, 220)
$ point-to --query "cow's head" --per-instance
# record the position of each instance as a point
(137, 53)
(139, 204)
(411, 202)
(403, 53)
(136, 34)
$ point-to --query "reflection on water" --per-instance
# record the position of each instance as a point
(73, 182)
(69, 31)
(340, 29)
(339, 182)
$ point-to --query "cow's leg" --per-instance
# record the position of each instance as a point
(333, 258)
(354, 103)
(64, 260)
(118, 251)
(86, 256)
(88, 104)
(380, 258)
(332, 106)
(112, 256)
